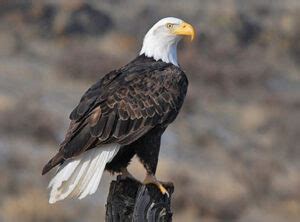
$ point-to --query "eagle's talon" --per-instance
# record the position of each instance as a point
(151, 179)
(163, 190)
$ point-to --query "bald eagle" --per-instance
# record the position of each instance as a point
(123, 114)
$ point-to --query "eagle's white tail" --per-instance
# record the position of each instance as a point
(80, 176)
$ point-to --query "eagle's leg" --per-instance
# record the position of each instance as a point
(147, 149)
(151, 179)
(121, 160)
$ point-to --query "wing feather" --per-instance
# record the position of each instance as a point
(124, 105)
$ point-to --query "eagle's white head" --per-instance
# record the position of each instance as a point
(161, 40)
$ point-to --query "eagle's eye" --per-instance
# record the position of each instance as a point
(169, 25)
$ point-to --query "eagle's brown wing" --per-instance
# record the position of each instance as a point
(120, 108)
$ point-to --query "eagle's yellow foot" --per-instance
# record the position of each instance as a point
(152, 179)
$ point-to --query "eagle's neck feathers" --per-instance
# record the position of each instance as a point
(164, 49)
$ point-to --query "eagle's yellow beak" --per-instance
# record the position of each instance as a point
(185, 29)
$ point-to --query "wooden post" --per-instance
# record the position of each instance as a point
(130, 201)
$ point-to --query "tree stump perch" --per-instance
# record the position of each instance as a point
(130, 201)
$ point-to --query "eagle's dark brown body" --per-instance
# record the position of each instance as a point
(131, 106)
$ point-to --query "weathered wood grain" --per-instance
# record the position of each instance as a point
(130, 201)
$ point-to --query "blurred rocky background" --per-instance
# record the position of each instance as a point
(234, 151)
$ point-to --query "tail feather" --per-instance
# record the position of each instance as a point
(93, 178)
(97, 178)
(86, 180)
(80, 176)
